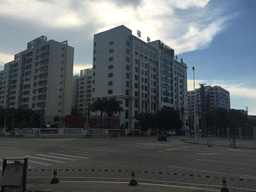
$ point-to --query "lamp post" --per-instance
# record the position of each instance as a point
(194, 101)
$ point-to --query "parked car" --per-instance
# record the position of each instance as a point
(153, 132)
(172, 133)
(180, 132)
(162, 137)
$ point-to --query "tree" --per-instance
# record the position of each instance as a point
(108, 106)
(74, 111)
(146, 120)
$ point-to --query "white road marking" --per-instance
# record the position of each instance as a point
(63, 158)
(33, 157)
(161, 185)
(88, 152)
(225, 162)
(208, 153)
(81, 153)
(69, 155)
(36, 162)
(175, 149)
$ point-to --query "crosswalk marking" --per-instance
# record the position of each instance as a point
(88, 153)
(33, 157)
(36, 162)
(63, 158)
(69, 155)
(79, 153)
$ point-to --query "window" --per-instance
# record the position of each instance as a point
(93, 74)
(126, 114)
(142, 87)
(110, 91)
(110, 67)
(110, 59)
(126, 92)
(136, 61)
(127, 75)
(127, 83)
(146, 88)
(136, 93)
(110, 75)
(94, 51)
(142, 79)
(136, 103)
(127, 43)
(126, 102)
(93, 89)
(93, 82)
(146, 80)
(136, 77)
(136, 69)
(136, 85)
(146, 65)
(127, 67)
(142, 71)
(94, 59)
(111, 43)
(146, 96)
(146, 73)
(127, 51)
(94, 66)
(110, 83)
(127, 59)
(111, 50)
(94, 44)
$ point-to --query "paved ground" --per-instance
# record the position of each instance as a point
(140, 153)
(112, 186)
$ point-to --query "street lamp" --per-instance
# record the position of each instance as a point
(194, 101)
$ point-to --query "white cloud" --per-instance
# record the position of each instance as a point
(159, 20)
(77, 68)
(5, 58)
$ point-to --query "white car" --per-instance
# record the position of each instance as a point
(172, 133)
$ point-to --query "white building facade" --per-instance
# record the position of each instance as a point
(144, 76)
(39, 78)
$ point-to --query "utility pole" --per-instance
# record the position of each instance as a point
(246, 120)
(194, 101)
(203, 108)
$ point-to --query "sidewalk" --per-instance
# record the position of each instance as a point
(221, 142)
(102, 186)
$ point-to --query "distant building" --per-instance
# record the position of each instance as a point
(215, 97)
(39, 78)
(144, 76)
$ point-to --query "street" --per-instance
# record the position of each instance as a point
(138, 152)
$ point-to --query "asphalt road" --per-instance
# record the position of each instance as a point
(138, 152)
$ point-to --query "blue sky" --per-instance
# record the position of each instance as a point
(217, 37)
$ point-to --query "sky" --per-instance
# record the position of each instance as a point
(217, 37)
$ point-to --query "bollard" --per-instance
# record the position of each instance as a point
(133, 182)
(54, 179)
(224, 183)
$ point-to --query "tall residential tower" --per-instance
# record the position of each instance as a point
(39, 78)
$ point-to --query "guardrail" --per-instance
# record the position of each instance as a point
(146, 175)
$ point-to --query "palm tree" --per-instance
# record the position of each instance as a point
(109, 106)
(100, 105)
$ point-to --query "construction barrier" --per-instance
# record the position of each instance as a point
(147, 175)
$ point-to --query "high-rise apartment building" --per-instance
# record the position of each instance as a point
(39, 78)
(215, 97)
(144, 76)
